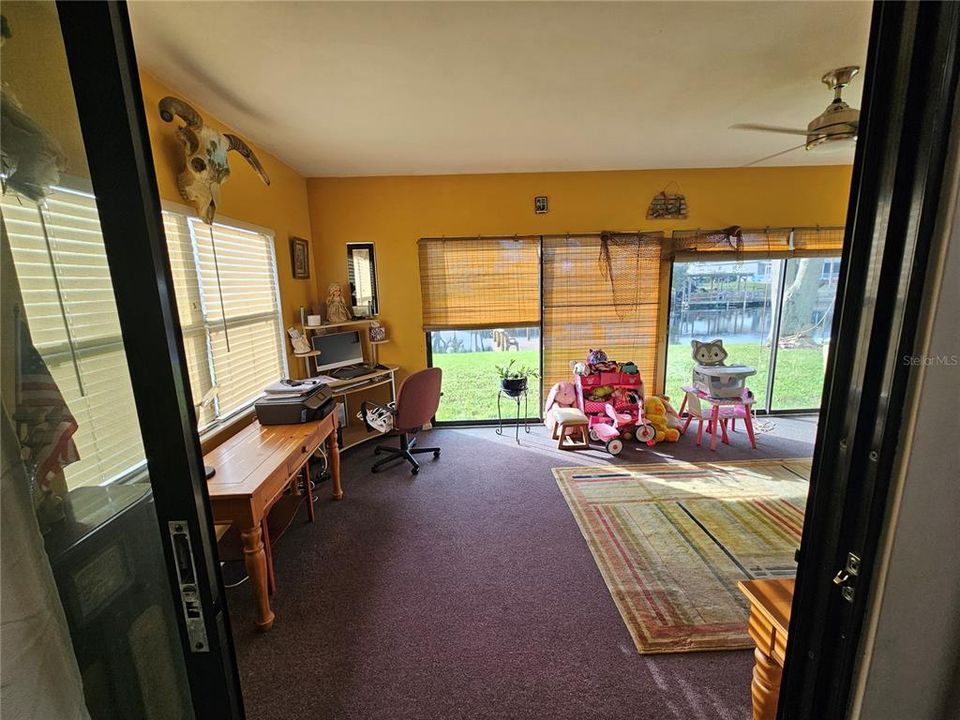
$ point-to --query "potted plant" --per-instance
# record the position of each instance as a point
(513, 377)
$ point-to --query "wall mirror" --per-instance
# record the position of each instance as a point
(362, 276)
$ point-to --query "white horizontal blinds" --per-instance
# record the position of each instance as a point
(70, 308)
(477, 283)
(186, 286)
(238, 288)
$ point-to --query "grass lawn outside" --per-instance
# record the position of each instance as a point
(471, 384)
(798, 384)
(470, 380)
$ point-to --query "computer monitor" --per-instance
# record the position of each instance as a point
(338, 350)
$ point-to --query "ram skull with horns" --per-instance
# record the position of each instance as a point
(207, 167)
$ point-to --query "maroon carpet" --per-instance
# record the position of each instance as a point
(469, 592)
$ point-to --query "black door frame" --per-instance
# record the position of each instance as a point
(103, 68)
(909, 90)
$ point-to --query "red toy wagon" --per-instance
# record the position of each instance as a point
(612, 400)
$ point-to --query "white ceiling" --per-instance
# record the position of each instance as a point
(395, 88)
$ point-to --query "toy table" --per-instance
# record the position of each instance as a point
(723, 409)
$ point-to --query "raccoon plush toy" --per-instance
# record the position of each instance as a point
(708, 353)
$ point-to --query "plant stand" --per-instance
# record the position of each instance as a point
(526, 412)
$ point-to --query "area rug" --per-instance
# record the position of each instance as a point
(672, 540)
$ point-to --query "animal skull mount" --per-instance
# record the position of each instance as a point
(207, 167)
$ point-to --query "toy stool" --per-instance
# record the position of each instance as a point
(574, 420)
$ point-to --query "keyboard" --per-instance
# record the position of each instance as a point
(350, 372)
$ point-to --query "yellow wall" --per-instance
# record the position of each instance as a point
(281, 207)
(393, 212)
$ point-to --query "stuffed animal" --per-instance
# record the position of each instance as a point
(595, 357)
(579, 368)
(673, 417)
(655, 413)
(708, 353)
(630, 368)
(561, 395)
(600, 393)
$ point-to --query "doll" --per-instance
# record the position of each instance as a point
(337, 310)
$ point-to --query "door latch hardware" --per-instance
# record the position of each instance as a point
(844, 576)
(187, 580)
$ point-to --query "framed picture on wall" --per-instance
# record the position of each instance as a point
(300, 257)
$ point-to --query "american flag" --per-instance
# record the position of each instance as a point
(45, 423)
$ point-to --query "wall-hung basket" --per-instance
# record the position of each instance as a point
(667, 206)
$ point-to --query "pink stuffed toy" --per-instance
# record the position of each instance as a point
(563, 395)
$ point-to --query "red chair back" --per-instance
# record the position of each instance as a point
(418, 399)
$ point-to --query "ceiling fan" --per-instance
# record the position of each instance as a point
(834, 128)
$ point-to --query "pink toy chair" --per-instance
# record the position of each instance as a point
(742, 411)
(695, 410)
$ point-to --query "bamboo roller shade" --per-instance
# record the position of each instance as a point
(479, 283)
(771, 242)
(589, 304)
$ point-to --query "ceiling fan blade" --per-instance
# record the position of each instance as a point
(768, 128)
(777, 154)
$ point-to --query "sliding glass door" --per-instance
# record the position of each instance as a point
(112, 601)
(481, 314)
(809, 289)
(772, 314)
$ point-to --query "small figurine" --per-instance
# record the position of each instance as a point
(337, 310)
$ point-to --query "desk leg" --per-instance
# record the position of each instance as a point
(268, 552)
(765, 687)
(255, 560)
(334, 451)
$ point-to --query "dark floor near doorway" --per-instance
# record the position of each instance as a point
(468, 592)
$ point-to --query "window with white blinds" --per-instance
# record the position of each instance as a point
(225, 280)
(68, 300)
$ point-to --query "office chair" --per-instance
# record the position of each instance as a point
(417, 402)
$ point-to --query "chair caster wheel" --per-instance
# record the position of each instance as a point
(436, 454)
(414, 471)
(375, 470)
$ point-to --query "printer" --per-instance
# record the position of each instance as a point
(289, 402)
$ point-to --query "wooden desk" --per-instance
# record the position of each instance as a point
(253, 469)
(770, 602)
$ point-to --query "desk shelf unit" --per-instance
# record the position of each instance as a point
(353, 432)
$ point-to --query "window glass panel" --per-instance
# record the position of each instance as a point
(68, 299)
(731, 300)
(469, 359)
(808, 299)
(225, 281)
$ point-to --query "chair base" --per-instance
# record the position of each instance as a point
(406, 451)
